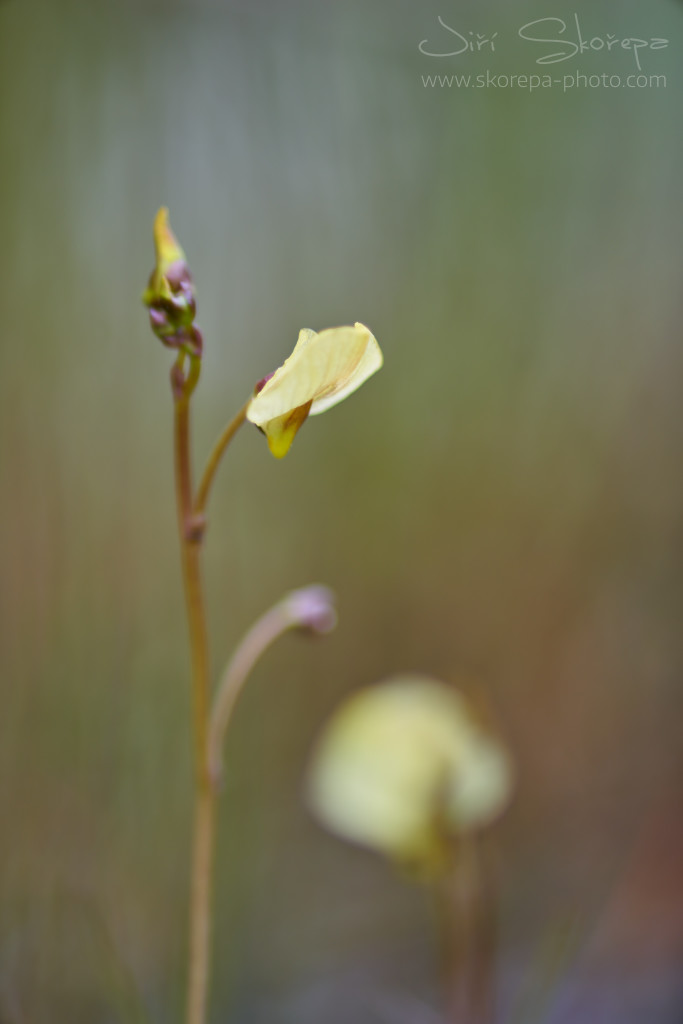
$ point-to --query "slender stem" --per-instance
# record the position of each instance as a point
(215, 458)
(258, 639)
(202, 854)
(311, 608)
(465, 925)
(200, 903)
(448, 947)
(484, 925)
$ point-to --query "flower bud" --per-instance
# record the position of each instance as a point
(170, 295)
(312, 608)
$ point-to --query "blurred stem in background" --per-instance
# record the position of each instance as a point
(464, 910)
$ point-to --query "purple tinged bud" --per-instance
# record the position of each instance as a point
(260, 384)
(178, 276)
(312, 608)
(159, 321)
(170, 295)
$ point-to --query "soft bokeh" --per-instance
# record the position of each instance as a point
(500, 506)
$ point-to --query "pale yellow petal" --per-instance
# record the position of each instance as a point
(321, 367)
(403, 762)
(370, 363)
(305, 335)
(482, 788)
(373, 777)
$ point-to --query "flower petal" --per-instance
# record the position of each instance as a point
(305, 335)
(167, 246)
(322, 369)
(370, 363)
(281, 431)
(405, 765)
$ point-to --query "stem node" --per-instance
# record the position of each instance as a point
(195, 528)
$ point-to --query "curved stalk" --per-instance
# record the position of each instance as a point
(214, 460)
(311, 608)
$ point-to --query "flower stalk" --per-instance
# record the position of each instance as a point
(214, 460)
(310, 609)
(465, 928)
(204, 813)
(335, 363)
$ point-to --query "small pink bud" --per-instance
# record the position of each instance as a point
(312, 608)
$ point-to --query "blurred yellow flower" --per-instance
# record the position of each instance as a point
(404, 767)
(322, 370)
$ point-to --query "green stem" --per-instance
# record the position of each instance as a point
(214, 460)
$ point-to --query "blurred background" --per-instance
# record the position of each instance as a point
(502, 504)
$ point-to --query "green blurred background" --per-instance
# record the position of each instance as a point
(502, 503)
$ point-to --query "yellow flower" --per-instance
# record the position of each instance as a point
(321, 371)
(405, 767)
